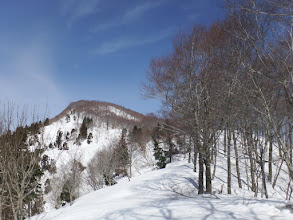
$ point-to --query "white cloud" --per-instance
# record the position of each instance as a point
(123, 43)
(75, 10)
(131, 15)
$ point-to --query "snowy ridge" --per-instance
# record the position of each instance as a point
(166, 194)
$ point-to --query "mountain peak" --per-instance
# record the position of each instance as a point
(100, 109)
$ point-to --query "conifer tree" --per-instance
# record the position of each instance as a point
(159, 155)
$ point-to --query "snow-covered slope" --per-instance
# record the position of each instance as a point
(108, 122)
(169, 193)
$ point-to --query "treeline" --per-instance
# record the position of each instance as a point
(233, 79)
(22, 164)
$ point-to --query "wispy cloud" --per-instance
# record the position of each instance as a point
(75, 10)
(124, 43)
(138, 11)
(131, 15)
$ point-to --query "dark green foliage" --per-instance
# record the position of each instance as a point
(65, 146)
(34, 128)
(87, 121)
(83, 131)
(89, 138)
(45, 163)
(67, 118)
(84, 126)
(65, 194)
(48, 187)
(67, 136)
(121, 155)
(59, 139)
(136, 134)
(159, 155)
(124, 132)
(48, 164)
(51, 146)
(172, 149)
(109, 180)
(24, 170)
(73, 131)
(46, 122)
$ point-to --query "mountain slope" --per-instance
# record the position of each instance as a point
(166, 194)
(170, 193)
(62, 137)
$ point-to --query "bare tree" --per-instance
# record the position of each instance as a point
(19, 164)
(72, 180)
(266, 28)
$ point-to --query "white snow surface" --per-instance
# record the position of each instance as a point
(101, 138)
(169, 193)
(119, 112)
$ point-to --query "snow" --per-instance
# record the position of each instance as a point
(101, 138)
(119, 112)
(169, 193)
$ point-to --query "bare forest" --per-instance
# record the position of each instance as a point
(234, 78)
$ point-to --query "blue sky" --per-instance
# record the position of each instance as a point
(56, 52)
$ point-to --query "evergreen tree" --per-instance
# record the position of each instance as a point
(90, 138)
(83, 131)
(59, 139)
(122, 155)
(67, 118)
(136, 135)
(84, 126)
(159, 155)
(46, 122)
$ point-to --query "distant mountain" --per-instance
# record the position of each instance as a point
(85, 128)
(101, 109)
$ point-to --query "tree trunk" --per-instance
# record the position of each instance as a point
(1, 207)
(215, 161)
(290, 142)
(264, 185)
(277, 174)
(70, 198)
(225, 141)
(270, 175)
(237, 161)
(200, 174)
(195, 157)
(229, 163)
(208, 170)
(251, 160)
(189, 149)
